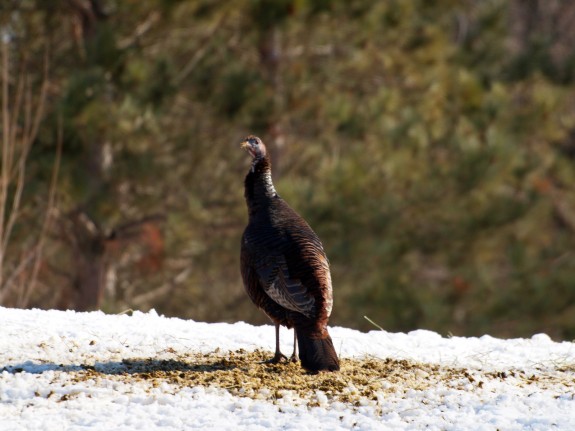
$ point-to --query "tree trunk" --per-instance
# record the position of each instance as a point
(87, 240)
(90, 264)
(548, 22)
(270, 50)
(90, 281)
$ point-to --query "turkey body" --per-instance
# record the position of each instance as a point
(284, 267)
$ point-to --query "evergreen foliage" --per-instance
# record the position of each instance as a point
(429, 144)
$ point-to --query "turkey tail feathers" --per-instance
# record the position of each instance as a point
(317, 354)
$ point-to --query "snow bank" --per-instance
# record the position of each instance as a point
(43, 353)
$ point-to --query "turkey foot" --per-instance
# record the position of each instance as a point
(278, 358)
(294, 357)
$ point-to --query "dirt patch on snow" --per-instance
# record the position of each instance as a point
(360, 381)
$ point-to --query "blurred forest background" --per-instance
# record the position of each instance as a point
(431, 145)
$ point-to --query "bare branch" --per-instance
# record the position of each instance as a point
(19, 270)
(200, 53)
(151, 296)
(29, 133)
(141, 29)
(132, 228)
(47, 216)
(4, 175)
(22, 115)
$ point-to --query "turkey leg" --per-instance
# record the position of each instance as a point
(278, 356)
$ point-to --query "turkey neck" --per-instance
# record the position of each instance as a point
(259, 188)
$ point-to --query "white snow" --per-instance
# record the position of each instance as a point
(41, 353)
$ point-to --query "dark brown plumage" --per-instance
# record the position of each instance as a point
(284, 267)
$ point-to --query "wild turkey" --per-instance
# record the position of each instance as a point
(284, 267)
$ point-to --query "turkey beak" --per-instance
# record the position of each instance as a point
(248, 147)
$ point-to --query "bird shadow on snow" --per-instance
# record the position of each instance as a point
(126, 366)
